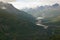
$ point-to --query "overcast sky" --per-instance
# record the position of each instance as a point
(31, 3)
(7, 0)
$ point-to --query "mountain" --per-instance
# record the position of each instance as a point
(12, 9)
(18, 25)
(51, 14)
(46, 11)
(55, 5)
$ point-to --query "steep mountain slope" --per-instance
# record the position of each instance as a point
(18, 26)
(12, 9)
(53, 21)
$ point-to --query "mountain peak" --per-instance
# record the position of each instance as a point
(55, 5)
(4, 5)
(11, 9)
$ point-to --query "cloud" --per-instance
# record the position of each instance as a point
(28, 0)
(7, 0)
(20, 4)
(41, 1)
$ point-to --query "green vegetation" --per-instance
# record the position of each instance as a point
(14, 28)
(55, 34)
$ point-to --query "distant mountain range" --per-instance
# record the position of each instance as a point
(47, 11)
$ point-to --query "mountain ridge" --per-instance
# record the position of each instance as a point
(46, 10)
(11, 9)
